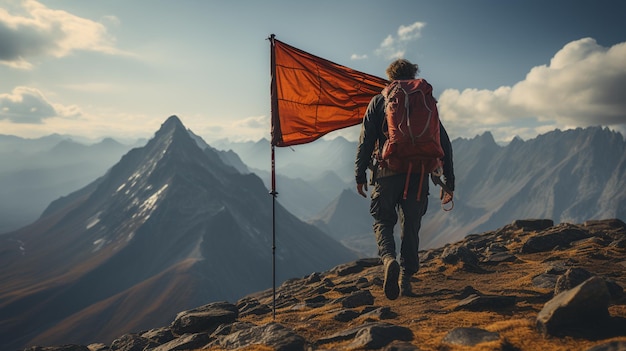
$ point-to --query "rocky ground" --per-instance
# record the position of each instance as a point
(530, 285)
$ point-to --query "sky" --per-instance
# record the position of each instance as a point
(119, 68)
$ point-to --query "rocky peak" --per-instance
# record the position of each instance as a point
(169, 227)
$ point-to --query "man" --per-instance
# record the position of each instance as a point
(387, 197)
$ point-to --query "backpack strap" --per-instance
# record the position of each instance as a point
(419, 189)
(406, 182)
(408, 177)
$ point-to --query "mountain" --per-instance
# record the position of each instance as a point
(563, 175)
(306, 161)
(167, 228)
(355, 233)
(308, 177)
(34, 172)
(529, 285)
(567, 176)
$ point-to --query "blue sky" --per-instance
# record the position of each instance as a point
(119, 68)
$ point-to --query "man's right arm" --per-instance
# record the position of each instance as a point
(367, 140)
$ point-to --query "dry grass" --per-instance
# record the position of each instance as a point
(433, 314)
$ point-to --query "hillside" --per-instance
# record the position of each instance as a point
(530, 285)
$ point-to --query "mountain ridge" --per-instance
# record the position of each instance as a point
(570, 176)
(168, 227)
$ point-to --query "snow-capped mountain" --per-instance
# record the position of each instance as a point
(168, 228)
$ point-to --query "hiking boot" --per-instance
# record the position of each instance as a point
(392, 272)
(405, 285)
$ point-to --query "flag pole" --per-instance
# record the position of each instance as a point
(273, 192)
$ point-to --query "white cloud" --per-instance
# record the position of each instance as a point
(395, 47)
(583, 85)
(358, 57)
(29, 105)
(414, 31)
(40, 31)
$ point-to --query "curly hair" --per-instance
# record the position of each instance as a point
(401, 69)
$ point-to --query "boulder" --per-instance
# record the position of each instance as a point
(159, 336)
(370, 336)
(379, 335)
(356, 266)
(185, 342)
(545, 280)
(579, 307)
(559, 236)
(454, 254)
(251, 306)
(346, 315)
(533, 224)
(381, 313)
(486, 303)
(357, 299)
(273, 335)
(204, 319)
(131, 342)
(570, 279)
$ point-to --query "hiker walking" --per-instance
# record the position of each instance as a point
(400, 181)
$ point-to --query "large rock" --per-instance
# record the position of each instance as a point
(486, 302)
(533, 224)
(570, 279)
(454, 254)
(357, 299)
(205, 318)
(579, 307)
(273, 335)
(559, 236)
(159, 335)
(379, 335)
(132, 342)
(185, 342)
(370, 336)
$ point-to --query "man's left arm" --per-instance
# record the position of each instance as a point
(448, 165)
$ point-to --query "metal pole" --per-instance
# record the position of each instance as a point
(273, 192)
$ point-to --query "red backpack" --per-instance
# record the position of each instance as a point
(413, 144)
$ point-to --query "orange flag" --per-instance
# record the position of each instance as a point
(312, 96)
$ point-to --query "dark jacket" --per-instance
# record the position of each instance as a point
(372, 131)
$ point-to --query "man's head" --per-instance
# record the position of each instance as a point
(402, 69)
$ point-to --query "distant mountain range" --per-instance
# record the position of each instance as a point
(567, 176)
(169, 227)
(34, 172)
(494, 182)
